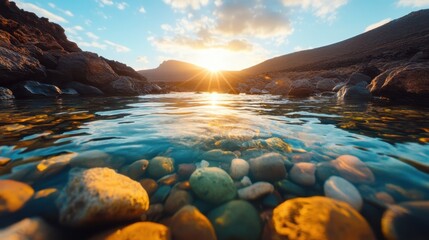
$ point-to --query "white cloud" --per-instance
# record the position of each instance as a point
(118, 48)
(251, 18)
(142, 59)
(413, 3)
(73, 30)
(66, 12)
(322, 8)
(142, 10)
(122, 5)
(93, 44)
(377, 24)
(92, 36)
(299, 48)
(105, 2)
(41, 12)
(183, 4)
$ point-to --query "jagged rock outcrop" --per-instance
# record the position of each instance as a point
(32, 48)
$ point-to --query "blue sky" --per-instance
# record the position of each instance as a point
(216, 34)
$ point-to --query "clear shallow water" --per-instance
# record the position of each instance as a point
(392, 140)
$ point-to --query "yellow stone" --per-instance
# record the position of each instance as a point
(139, 230)
(319, 218)
(13, 195)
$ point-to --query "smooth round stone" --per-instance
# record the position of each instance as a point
(289, 187)
(91, 159)
(278, 144)
(340, 189)
(161, 194)
(384, 197)
(185, 170)
(168, 179)
(303, 173)
(325, 170)
(160, 166)
(30, 229)
(272, 200)
(13, 195)
(4, 161)
(228, 144)
(137, 169)
(239, 168)
(100, 195)
(269, 167)
(213, 185)
(139, 230)
(353, 169)
(189, 223)
(149, 185)
(253, 153)
(237, 220)
(176, 200)
(218, 155)
(245, 181)
(319, 218)
(409, 220)
(255, 191)
(154, 213)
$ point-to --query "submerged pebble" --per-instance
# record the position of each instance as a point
(139, 230)
(149, 185)
(213, 185)
(353, 169)
(239, 168)
(218, 155)
(319, 218)
(136, 170)
(100, 195)
(269, 167)
(340, 189)
(190, 223)
(176, 200)
(237, 220)
(30, 229)
(91, 159)
(303, 173)
(160, 166)
(13, 195)
(255, 191)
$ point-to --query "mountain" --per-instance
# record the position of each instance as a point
(174, 71)
(400, 39)
(183, 76)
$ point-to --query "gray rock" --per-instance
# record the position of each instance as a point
(33, 89)
(301, 88)
(268, 167)
(354, 93)
(123, 86)
(218, 155)
(6, 94)
(239, 168)
(356, 78)
(303, 173)
(255, 191)
(340, 189)
(84, 89)
(325, 84)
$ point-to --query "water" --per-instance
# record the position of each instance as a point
(391, 140)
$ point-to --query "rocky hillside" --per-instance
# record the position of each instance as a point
(173, 71)
(37, 60)
(398, 40)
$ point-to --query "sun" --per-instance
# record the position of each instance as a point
(213, 68)
(212, 60)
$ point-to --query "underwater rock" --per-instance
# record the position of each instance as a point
(13, 195)
(136, 170)
(353, 169)
(139, 230)
(255, 191)
(303, 173)
(154, 213)
(149, 185)
(160, 166)
(161, 194)
(91, 159)
(237, 220)
(213, 185)
(269, 167)
(218, 155)
(176, 200)
(6, 94)
(185, 170)
(190, 223)
(324, 170)
(289, 187)
(30, 229)
(409, 220)
(340, 189)
(239, 168)
(100, 195)
(319, 218)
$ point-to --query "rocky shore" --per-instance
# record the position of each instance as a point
(264, 189)
(37, 60)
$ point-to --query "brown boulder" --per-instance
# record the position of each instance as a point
(15, 67)
(402, 83)
(88, 68)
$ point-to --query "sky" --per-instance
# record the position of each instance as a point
(215, 34)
